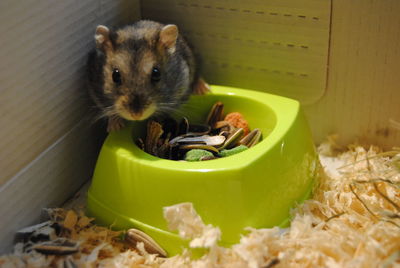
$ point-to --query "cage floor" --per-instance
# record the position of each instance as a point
(353, 220)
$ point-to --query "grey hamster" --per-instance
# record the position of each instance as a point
(141, 70)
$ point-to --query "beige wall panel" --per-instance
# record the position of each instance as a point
(363, 96)
(48, 181)
(274, 46)
(48, 146)
(43, 53)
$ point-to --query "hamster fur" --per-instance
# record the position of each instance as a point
(141, 70)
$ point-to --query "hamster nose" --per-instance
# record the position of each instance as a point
(137, 103)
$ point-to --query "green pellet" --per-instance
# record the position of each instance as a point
(196, 154)
(233, 151)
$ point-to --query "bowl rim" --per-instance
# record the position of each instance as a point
(285, 109)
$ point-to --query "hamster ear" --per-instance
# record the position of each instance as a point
(168, 36)
(102, 37)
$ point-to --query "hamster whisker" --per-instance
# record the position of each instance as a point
(167, 111)
(169, 103)
(99, 117)
(107, 112)
(166, 106)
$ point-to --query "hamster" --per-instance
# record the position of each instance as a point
(141, 70)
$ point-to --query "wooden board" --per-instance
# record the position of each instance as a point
(362, 100)
(278, 46)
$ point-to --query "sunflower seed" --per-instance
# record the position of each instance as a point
(233, 139)
(60, 246)
(197, 129)
(154, 132)
(198, 146)
(183, 126)
(255, 139)
(221, 124)
(252, 138)
(215, 114)
(134, 236)
(205, 139)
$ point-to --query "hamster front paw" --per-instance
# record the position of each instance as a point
(115, 123)
(201, 87)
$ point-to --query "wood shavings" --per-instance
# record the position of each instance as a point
(70, 220)
(78, 243)
(352, 220)
(183, 217)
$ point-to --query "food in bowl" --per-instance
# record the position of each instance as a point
(220, 136)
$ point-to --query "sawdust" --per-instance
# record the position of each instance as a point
(353, 220)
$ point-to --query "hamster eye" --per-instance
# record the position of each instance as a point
(155, 75)
(116, 76)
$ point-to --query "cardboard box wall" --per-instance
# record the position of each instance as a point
(340, 58)
(48, 145)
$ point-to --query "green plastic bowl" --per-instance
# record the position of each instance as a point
(256, 188)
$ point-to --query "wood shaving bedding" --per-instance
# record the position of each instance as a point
(353, 220)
